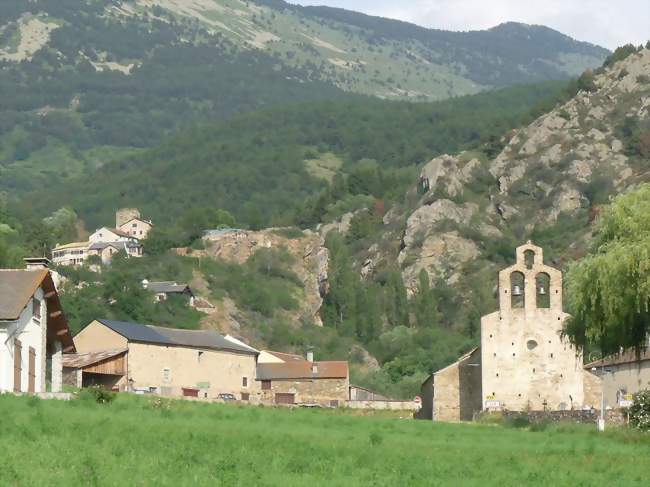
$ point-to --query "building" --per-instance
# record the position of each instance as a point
(623, 375)
(34, 332)
(165, 289)
(453, 393)
(128, 221)
(105, 242)
(165, 361)
(525, 364)
(290, 379)
(358, 393)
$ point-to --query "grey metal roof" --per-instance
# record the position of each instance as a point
(208, 339)
(117, 245)
(168, 287)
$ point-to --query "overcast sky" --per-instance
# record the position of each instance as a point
(609, 23)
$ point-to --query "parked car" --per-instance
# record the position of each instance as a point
(227, 397)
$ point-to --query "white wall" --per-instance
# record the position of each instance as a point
(31, 334)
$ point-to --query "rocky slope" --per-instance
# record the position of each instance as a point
(547, 183)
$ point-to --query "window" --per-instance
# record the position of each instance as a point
(266, 385)
(36, 309)
(200, 354)
(245, 396)
(134, 225)
(531, 345)
(244, 381)
(166, 374)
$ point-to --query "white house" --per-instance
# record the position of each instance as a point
(136, 227)
(33, 330)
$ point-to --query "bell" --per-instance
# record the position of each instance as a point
(516, 291)
(542, 291)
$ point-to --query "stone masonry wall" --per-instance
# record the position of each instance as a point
(320, 391)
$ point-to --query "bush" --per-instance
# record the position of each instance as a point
(640, 411)
(97, 394)
(519, 421)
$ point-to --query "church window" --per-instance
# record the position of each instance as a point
(542, 283)
(517, 296)
(531, 345)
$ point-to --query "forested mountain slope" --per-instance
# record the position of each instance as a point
(265, 167)
(94, 80)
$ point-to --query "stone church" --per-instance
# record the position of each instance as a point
(523, 362)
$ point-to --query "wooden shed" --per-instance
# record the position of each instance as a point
(106, 368)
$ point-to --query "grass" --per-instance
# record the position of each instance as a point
(136, 442)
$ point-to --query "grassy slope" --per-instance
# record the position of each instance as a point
(132, 442)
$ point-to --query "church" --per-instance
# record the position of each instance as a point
(523, 363)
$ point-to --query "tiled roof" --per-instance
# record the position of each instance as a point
(119, 232)
(207, 339)
(16, 289)
(302, 370)
(627, 357)
(79, 360)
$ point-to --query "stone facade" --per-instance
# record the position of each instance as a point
(527, 365)
(326, 392)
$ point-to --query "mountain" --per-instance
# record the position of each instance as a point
(96, 80)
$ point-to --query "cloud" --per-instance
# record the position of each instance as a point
(609, 23)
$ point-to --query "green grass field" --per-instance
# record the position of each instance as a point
(134, 442)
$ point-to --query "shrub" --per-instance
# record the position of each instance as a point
(519, 421)
(97, 394)
(640, 411)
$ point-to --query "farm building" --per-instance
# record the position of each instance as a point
(33, 330)
(166, 361)
(300, 381)
(523, 362)
(358, 393)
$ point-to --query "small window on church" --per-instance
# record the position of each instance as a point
(531, 345)
(529, 259)
(517, 296)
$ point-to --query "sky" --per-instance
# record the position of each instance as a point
(608, 23)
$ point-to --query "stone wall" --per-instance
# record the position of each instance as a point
(384, 405)
(457, 389)
(613, 417)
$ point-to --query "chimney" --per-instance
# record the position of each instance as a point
(36, 263)
(310, 356)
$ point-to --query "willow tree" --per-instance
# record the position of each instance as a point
(609, 289)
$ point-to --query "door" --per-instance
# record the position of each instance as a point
(284, 398)
(17, 367)
(31, 386)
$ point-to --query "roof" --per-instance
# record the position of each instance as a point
(302, 370)
(119, 232)
(16, 289)
(148, 222)
(208, 339)
(627, 357)
(460, 359)
(72, 245)
(115, 245)
(79, 360)
(287, 357)
(218, 232)
(168, 287)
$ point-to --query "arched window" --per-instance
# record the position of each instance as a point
(542, 283)
(517, 290)
(529, 259)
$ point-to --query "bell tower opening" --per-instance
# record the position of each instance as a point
(542, 284)
(517, 290)
(529, 259)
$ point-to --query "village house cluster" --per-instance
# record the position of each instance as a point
(522, 364)
(105, 242)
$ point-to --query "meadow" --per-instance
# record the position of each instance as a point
(144, 441)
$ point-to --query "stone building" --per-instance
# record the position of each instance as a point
(294, 380)
(525, 364)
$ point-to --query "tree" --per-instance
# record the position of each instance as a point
(425, 306)
(609, 290)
